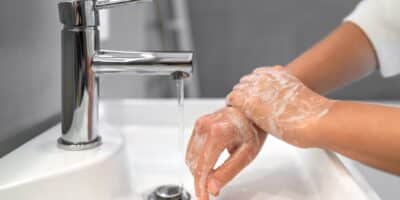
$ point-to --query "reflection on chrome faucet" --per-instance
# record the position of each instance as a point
(144, 63)
(83, 63)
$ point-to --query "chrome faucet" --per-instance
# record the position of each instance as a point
(83, 63)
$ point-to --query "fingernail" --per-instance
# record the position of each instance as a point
(229, 98)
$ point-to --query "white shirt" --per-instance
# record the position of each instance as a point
(380, 21)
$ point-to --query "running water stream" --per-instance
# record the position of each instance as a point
(180, 94)
(176, 192)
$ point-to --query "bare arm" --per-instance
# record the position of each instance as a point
(344, 56)
(365, 132)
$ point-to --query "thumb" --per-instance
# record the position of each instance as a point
(236, 99)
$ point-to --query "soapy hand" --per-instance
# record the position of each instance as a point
(279, 103)
(225, 129)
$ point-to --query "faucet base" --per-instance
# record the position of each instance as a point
(62, 144)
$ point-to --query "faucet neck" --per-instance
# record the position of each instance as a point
(80, 41)
(81, 13)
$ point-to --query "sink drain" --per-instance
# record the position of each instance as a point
(169, 192)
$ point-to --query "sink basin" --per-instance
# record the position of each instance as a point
(142, 150)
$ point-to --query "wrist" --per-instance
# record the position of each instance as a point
(315, 131)
(310, 133)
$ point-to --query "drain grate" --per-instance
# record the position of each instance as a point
(169, 192)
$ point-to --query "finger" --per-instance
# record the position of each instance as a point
(196, 142)
(201, 193)
(232, 149)
(193, 154)
(269, 69)
(215, 143)
(245, 78)
(278, 67)
(227, 171)
(251, 80)
(241, 86)
(193, 151)
(236, 99)
(262, 69)
(205, 167)
(265, 73)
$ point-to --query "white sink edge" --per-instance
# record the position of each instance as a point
(76, 160)
(40, 166)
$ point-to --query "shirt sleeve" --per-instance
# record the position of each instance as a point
(380, 21)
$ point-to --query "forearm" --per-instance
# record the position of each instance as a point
(364, 132)
(342, 57)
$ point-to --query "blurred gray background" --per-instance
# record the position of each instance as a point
(231, 37)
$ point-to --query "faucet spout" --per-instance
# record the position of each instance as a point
(143, 63)
(102, 4)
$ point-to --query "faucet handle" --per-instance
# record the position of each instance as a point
(102, 4)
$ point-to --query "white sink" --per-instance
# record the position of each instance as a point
(141, 151)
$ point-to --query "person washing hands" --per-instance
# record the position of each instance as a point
(288, 103)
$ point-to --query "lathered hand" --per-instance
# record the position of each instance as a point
(225, 129)
(279, 103)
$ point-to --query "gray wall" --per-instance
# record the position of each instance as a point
(232, 37)
(29, 70)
